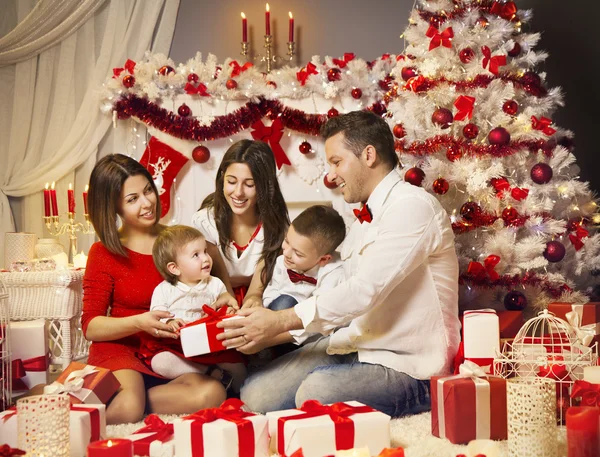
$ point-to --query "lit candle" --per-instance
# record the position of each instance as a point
(244, 28)
(583, 432)
(85, 194)
(47, 212)
(80, 260)
(268, 21)
(71, 199)
(291, 34)
(53, 200)
(591, 374)
(110, 448)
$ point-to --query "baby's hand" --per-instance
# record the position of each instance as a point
(176, 324)
(226, 299)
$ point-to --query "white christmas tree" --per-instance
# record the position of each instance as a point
(473, 122)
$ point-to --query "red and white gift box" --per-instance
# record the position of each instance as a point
(155, 439)
(29, 347)
(322, 429)
(585, 319)
(200, 337)
(481, 337)
(85, 384)
(87, 424)
(227, 431)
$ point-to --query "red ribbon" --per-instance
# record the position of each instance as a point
(129, 66)
(589, 393)
(230, 410)
(20, 368)
(543, 124)
(94, 420)
(161, 432)
(494, 62)
(7, 451)
(480, 271)
(338, 412)
(348, 56)
(519, 193)
(237, 69)
(437, 38)
(271, 135)
(200, 90)
(305, 72)
(464, 105)
(13, 412)
(416, 84)
(506, 10)
(212, 317)
(577, 237)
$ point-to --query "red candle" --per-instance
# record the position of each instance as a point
(291, 34)
(244, 28)
(267, 21)
(85, 194)
(47, 201)
(53, 200)
(110, 448)
(583, 431)
(71, 198)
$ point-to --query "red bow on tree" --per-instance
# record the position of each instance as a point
(480, 272)
(417, 84)
(464, 105)
(200, 90)
(7, 451)
(271, 135)
(494, 62)
(299, 277)
(363, 214)
(437, 38)
(577, 237)
(501, 185)
(589, 393)
(237, 69)
(129, 66)
(385, 56)
(506, 10)
(519, 193)
(304, 73)
(543, 124)
(348, 56)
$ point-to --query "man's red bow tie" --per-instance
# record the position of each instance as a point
(364, 214)
(297, 277)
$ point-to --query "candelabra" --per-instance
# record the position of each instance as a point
(269, 58)
(55, 228)
(245, 47)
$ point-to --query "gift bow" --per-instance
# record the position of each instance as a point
(471, 369)
(231, 410)
(437, 38)
(577, 237)
(237, 68)
(480, 271)
(272, 135)
(20, 368)
(7, 451)
(348, 56)
(129, 66)
(543, 124)
(464, 104)
(585, 333)
(506, 10)
(304, 73)
(74, 385)
(589, 393)
(159, 430)
(494, 62)
(200, 90)
(210, 315)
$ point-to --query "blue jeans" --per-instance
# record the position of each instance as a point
(310, 373)
(283, 302)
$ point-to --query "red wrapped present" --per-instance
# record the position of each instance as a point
(29, 347)
(85, 384)
(510, 323)
(584, 318)
(155, 439)
(468, 406)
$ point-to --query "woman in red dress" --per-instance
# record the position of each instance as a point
(117, 288)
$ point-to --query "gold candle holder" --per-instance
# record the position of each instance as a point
(291, 51)
(55, 228)
(245, 47)
(268, 51)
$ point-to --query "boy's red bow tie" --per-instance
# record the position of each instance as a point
(297, 277)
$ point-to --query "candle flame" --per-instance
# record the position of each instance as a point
(291, 17)
(109, 444)
(268, 7)
(47, 186)
(243, 16)
(87, 186)
(52, 186)
(70, 186)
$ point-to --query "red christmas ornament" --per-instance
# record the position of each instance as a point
(329, 184)
(510, 107)
(466, 55)
(414, 176)
(305, 147)
(440, 186)
(217, 72)
(442, 117)
(165, 70)
(483, 22)
(510, 216)
(515, 51)
(555, 251)
(273, 84)
(499, 184)
(531, 78)
(356, 93)
(129, 81)
(334, 74)
(398, 131)
(201, 154)
(231, 84)
(332, 113)
(499, 136)
(385, 84)
(453, 153)
(515, 301)
(574, 224)
(470, 211)
(470, 131)
(541, 173)
(193, 78)
(184, 110)
(408, 72)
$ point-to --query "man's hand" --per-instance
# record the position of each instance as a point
(252, 301)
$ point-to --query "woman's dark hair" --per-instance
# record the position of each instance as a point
(270, 205)
(106, 184)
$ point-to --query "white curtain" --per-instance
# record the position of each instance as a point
(51, 128)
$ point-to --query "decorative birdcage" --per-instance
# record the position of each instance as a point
(548, 347)
(5, 362)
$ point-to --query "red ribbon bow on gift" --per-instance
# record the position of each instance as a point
(230, 410)
(480, 271)
(160, 430)
(363, 214)
(589, 393)
(237, 68)
(543, 124)
(200, 90)
(271, 135)
(304, 73)
(348, 56)
(7, 451)
(464, 105)
(129, 66)
(506, 10)
(494, 62)
(437, 38)
(21, 367)
(211, 315)
(577, 237)
(299, 277)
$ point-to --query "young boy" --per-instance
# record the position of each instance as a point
(181, 257)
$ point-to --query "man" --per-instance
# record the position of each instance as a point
(393, 323)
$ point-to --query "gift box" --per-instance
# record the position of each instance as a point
(322, 429)
(87, 424)
(85, 384)
(510, 323)
(200, 337)
(584, 318)
(481, 337)
(227, 431)
(29, 347)
(466, 407)
(155, 439)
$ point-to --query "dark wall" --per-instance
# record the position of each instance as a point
(370, 28)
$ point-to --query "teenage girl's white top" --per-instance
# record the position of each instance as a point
(240, 268)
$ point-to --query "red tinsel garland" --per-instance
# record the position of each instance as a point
(437, 19)
(510, 282)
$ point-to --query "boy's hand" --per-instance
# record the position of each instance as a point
(176, 324)
(252, 301)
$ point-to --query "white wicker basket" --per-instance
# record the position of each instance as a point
(5, 353)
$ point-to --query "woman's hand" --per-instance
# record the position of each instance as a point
(252, 301)
(150, 323)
